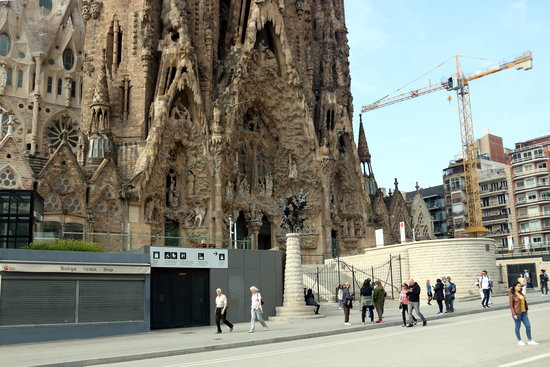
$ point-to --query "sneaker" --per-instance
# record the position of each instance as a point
(250, 331)
(218, 332)
(522, 343)
(439, 313)
(424, 323)
(230, 329)
(347, 323)
(379, 322)
(532, 342)
(410, 325)
(415, 322)
(404, 325)
(266, 328)
(363, 323)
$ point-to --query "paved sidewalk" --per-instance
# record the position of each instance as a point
(161, 343)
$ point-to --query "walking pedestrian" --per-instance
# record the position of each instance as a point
(379, 296)
(523, 282)
(450, 289)
(367, 302)
(543, 277)
(478, 285)
(256, 310)
(348, 303)
(486, 283)
(310, 301)
(429, 291)
(519, 308)
(221, 311)
(438, 294)
(414, 302)
(403, 303)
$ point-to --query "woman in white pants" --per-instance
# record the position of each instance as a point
(256, 310)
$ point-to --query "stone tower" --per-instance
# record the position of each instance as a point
(194, 111)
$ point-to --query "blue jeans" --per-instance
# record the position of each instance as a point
(256, 315)
(522, 317)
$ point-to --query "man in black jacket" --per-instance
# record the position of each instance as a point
(414, 302)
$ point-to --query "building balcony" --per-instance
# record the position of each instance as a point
(542, 200)
(535, 230)
(527, 216)
(499, 233)
(493, 205)
(490, 192)
(536, 157)
(531, 187)
(489, 218)
(534, 172)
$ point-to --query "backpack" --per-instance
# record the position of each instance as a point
(453, 288)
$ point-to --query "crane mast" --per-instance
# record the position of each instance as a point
(461, 84)
(469, 155)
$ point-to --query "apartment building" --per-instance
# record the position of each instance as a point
(529, 174)
(495, 204)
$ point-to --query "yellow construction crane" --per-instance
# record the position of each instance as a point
(461, 83)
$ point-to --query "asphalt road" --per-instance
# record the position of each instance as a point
(484, 339)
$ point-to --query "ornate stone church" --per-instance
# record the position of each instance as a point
(163, 121)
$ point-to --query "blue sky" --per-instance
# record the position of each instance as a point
(393, 42)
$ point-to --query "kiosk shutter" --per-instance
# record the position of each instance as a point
(35, 302)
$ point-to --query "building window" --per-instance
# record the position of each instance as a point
(68, 59)
(20, 79)
(541, 165)
(50, 82)
(46, 4)
(484, 187)
(5, 44)
(59, 86)
(8, 178)
(9, 76)
(485, 202)
(73, 89)
(501, 199)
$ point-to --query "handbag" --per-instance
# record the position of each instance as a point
(367, 301)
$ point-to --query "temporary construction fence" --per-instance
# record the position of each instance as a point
(324, 281)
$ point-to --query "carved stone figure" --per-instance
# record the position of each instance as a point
(3, 78)
(190, 183)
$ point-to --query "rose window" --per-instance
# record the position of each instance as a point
(60, 131)
(72, 205)
(62, 184)
(51, 203)
(8, 177)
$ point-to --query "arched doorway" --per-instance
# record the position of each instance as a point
(264, 236)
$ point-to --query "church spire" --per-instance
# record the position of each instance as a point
(363, 148)
(100, 130)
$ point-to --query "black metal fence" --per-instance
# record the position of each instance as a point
(324, 281)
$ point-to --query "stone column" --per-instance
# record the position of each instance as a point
(294, 283)
(294, 304)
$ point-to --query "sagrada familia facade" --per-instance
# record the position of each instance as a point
(164, 118)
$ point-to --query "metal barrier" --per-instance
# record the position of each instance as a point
(523, 250)
(325, 280)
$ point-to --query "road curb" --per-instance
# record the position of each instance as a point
(250, 343)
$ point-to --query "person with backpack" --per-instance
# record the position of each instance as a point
(256, 310)
(450, 290)
(543, 277)
(367, 302)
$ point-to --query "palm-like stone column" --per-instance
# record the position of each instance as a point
(294, 304)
